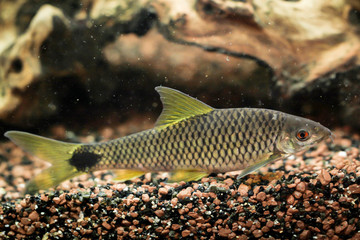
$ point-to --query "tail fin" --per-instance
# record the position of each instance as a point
(56, 152)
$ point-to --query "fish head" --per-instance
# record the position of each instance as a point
(300, 134)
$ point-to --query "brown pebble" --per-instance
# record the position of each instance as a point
(217, 201)
(192, 222)
(308, 194)
(228, 181)
(340, 165)
(56, 200)
(341, 227)
(354, 189)
(34, 216)
(280, 214)
(159, 213)
(270, 224)
(301, 187)
(30, 230)
(349, 229)
(175, 227)
(243, 190)
(3, 183)
(290, 200)
(185, 233)
(24, 203)
(305, 235)
(325, 177)
(292, 185)
(174, 201)
(300, 224)
(297, 194)
(257, 233)
(163, 191)
(134, 214)
(204, 180)
(126, 223)
(44, 198)
(345, 142)
(145, 197)
(106, 225)
(25, 221)
(185, 193)
(232, 235)
(193, 214)
(261, 196)
(224, 232)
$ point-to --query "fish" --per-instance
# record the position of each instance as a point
(190, 140)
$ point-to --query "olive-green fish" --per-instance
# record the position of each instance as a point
(190, 140)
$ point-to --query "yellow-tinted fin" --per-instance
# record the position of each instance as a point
(178, 106)
(258, 165)
(56, 152)
(50, 177)
(186, 175)
(126, 174)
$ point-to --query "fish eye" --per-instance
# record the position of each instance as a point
(302, 135)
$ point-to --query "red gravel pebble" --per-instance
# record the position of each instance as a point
(325, 177)
(145, 197)
(34, 216)
(185, 193)
(243, 190)
(257, 233)
(224, 232)
(341, 227)
(297, 194)
(305, 235)
(301, 187)
(354, 189)
(290, 200)
(159, 213)
(106, 225)
(185, 233)
(261, 196)
(163, 191)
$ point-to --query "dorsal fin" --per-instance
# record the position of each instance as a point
(178, 106)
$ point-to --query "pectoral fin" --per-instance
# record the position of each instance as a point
(187, 175)
(125, 174)
(258, 165)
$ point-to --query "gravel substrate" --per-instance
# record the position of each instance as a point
(313, 195)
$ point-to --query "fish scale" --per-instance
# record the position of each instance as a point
(222, 140)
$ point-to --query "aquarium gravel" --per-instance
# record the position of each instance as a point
(313, 195)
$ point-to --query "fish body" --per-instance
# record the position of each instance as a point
(220, 141)
(190, 139)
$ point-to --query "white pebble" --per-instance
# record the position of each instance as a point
(342, 154)
(291, 157)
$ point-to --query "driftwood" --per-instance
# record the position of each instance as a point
(288, 47)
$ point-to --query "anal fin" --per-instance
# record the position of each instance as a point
(50, 177)
(122, 175)
(187, 175)
(258, 165)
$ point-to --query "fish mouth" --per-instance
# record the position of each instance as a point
(328, 135)
(332, 136)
